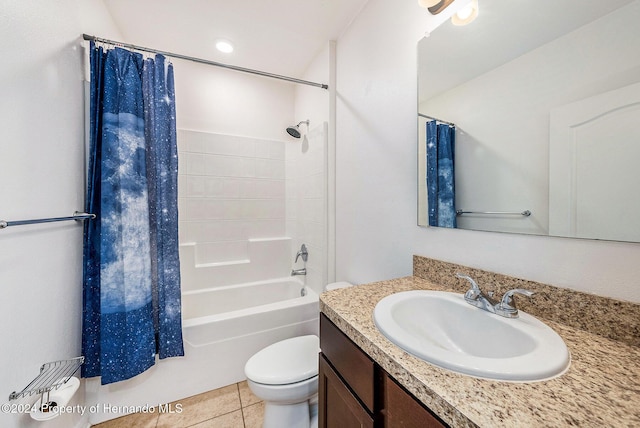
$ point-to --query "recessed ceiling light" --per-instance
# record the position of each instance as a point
(224, 46)
(467, 14)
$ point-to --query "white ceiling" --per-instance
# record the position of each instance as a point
(277, 36)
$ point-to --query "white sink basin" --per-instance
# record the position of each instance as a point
(443, 329)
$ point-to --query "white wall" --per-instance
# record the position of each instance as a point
(311, 102)
(41, 171)
(218, 100)
(376, 178)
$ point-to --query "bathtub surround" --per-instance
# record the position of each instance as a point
(306, 207)
(247, 205)
(132, 305)
(231, 190)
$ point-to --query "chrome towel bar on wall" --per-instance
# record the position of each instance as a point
(76, 216)
(526, 213)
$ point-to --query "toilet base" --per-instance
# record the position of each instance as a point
(313, 412)
(291, 415)
(290, 406)
(286, 415)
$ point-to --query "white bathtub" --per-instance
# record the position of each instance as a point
(224, 313)
(222, 328)
(218, 300)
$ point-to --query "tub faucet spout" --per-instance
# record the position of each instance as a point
(302, 271)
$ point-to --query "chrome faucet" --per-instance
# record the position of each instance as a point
(302, 271)
(305, 256)
(506, 307)
(303, 252)
(476, 297)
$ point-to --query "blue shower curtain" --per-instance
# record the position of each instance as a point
(131, 267)
(440, 174)
(162, 174)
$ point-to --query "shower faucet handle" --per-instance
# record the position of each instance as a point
(303, 252)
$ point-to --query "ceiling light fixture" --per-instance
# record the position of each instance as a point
(435, 6)
(428, 3)
(466, 15)
(224, 46)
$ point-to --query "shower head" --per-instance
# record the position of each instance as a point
(294, 131)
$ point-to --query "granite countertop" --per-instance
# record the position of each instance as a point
(600, 389)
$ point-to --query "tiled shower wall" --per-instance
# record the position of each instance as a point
(230, 189)
(306, 166)
(238, 192)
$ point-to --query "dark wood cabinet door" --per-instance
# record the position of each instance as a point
(354, 366)
(401, 410)
(339, 408)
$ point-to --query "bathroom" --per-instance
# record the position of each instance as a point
(371, 167)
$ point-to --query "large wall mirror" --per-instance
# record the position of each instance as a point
(545, 99)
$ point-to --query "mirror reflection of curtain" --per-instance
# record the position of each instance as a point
(440, 174)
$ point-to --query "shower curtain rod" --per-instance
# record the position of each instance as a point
(436, 119)
(205, 61)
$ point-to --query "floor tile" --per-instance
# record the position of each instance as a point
(202, 407)
(247, 398)
(253, 415)
(230, 420)
(136, 420)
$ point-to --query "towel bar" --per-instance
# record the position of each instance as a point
(526, 213)
(76, 216)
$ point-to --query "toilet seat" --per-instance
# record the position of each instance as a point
(285, 362)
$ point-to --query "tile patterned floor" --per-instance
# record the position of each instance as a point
(232, 406)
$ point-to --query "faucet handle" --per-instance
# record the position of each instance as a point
(303, 252)
(475, 290)
(508, 305)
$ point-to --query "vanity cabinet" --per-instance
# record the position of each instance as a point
(354, 391)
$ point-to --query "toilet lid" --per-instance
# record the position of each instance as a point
(288, 361)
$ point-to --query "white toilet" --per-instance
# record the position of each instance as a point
(285, 376)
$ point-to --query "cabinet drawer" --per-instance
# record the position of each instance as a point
(355, 367)
(340, 407)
